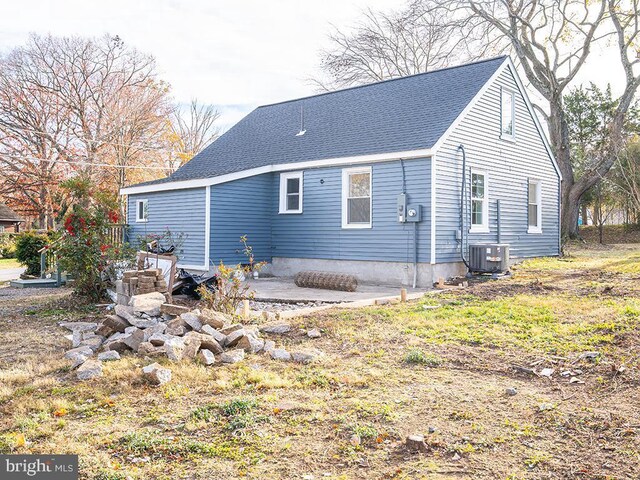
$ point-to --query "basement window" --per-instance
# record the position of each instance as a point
(508, 115)
(479, 203)
(142, 210)
(356, 197)
(535, 207)
(291, 192)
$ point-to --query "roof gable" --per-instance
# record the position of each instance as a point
(403, 114)
(8, 215)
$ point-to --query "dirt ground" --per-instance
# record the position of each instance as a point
(440, 367)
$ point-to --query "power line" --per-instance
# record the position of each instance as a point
(84, 164)
(160, 149)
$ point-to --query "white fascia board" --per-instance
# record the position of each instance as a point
(434, 173)
(508, 63)
(536, 121)
(328, 162)
(207, 225)
(470, 105)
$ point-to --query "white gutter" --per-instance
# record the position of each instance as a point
(229, 177)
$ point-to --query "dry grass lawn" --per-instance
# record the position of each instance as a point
(388, 372)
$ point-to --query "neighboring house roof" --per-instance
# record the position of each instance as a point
(397, 115)
(8, 215)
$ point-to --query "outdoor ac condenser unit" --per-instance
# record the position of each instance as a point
(489, 258)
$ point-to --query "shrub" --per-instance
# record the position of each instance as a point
(7, 245)
(231, 289)
(84, 248)
(27, 246)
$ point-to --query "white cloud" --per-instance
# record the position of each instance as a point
(234, 54)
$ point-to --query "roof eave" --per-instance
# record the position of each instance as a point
(229, 177)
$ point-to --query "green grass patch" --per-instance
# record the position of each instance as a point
(418, 357)
(7, 263)
(236, 414)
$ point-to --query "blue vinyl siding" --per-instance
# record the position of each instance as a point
(508, 165)
(318, 232)
(180, 211)
(241, 207)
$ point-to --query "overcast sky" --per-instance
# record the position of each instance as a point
(234, 54)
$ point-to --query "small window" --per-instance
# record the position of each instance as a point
(142, 210)
(507, 103)
(479, 203)
(535, 207)
(356, 198)
(291, 192)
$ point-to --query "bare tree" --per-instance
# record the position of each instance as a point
(34, 140)
(552, 41)
(71, 106)
(421, 37)
(192, 133)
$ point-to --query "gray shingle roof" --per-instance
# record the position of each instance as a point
(407, 113)
(8, 215)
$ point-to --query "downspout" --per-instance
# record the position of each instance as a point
(462, 197)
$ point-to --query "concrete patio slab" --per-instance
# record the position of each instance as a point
(284, 289)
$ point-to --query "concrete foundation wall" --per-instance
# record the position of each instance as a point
(384, 273)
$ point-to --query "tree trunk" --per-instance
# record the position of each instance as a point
(584, 215)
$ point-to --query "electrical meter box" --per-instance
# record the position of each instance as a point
(414, 213)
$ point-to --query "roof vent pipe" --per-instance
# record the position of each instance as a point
(302, 129)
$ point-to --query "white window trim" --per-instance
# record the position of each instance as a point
(484, 228)
(345, 194)
(283, 191)
(538, 185)
(138, 218)
(506, 136)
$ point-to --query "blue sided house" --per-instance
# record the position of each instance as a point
(395, 182)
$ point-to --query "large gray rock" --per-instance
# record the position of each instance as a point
(116, 323)
(231, 328)
(218, 336)
(250, 344)
(89, 369)
(174, 349)
(84, 350)
(150, 350)
(108, 356)
(192, 344)
(233, 338)
(176, 327)
(314, 333)
(280, 354)
(276, 328)
(208, 342)
(160, 328)
(158, 339)
(156, 374)
(149, 303)
(116, 342)
(213, 318)
(171, 309)
(133, 338)
(128, 313)
(206, 357)
(232, 356)
(192, 319)
(269, 346)
(79, 326)
(94, 342)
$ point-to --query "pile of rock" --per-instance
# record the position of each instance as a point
(140, 282)
(153, 328)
